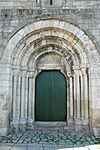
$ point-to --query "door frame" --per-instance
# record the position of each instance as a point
(39, 71)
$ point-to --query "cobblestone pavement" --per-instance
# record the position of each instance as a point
(49, 140)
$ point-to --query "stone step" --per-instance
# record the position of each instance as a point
(49, 125)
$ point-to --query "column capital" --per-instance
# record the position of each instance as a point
(77, 72)
(83, 68)
(16, 71)
(31, 73)
(84, 71)
(76, 67)
(23, 72)
(69, 74)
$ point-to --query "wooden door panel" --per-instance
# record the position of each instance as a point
(50, 96)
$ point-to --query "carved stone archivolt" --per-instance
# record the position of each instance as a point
(49, 48)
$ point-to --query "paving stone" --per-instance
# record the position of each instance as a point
(50, 145)
(20, 141)
(19, 144)
(80, 148)
(21, 147)
(5, 147)
(35, 145)
(46, 148)
(78, 145)
(35, 148)
(65, 146)
(42, 140)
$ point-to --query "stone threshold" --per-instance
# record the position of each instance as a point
(49, 125)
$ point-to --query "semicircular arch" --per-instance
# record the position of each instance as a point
(50, 23)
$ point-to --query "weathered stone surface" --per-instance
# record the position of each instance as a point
(53, 140)
(44, 35)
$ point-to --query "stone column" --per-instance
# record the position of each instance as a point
(15, 100)
(26, 95)
(15, 77)
(75, 96)
(18, 98)
(82, 96)
(23, 87)
(71, 104)
(86, 93)
(71, 97)
(86, 99)
(78, 93)
(43, 3)
(78, 110)
(30, 99)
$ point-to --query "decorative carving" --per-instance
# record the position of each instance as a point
(69, 74)
(23, 72)
(16, 72)
(31, 74)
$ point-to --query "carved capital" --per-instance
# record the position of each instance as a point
(16, 72)
(84, 71)
(24, 73)
(77, 72)
(83, 68)
(69, 74)
(31, 74)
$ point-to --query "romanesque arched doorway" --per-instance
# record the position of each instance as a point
(50, 99)
(50, 44)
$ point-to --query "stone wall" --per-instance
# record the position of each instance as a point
(74, 4)
(85, 14)
(16, 14)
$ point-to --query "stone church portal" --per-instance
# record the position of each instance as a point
(48, 49)
(50, 65)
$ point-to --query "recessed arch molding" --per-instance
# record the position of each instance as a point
(50, 44)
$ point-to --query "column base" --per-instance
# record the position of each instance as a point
(15, 125)
(85, 124)
(71, 123)
(23, 121)
(85, 121)
(78, 124)
(82, 124)
(3, 131)
(96, 131)
(22, 124)
(30, 122)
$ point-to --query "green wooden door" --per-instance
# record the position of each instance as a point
(50, 101)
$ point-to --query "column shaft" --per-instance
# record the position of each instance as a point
(18, 97)
(85, 106)
(23, 98)
(78, 97)
(82, 97)
(14, 97)
(30, 105)
(85, 87)
(75, 96)
(26, 96)
(86, 95)
(71, 97)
